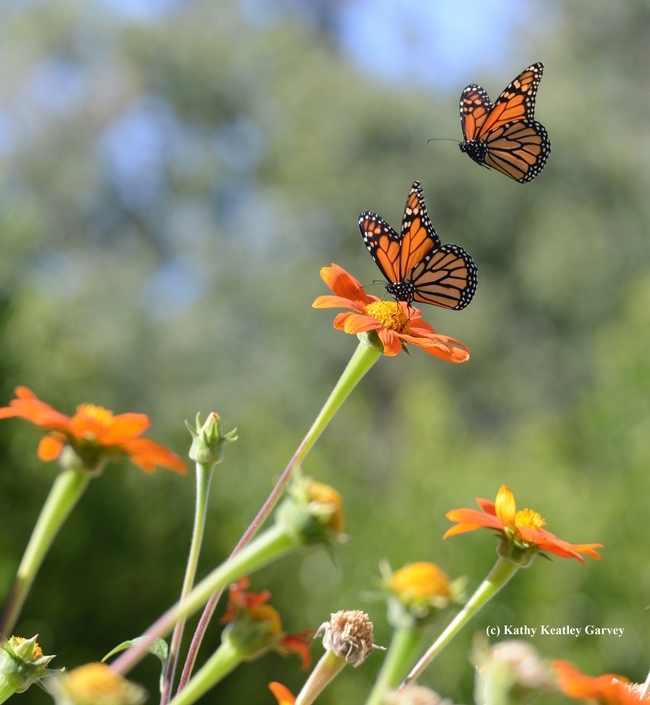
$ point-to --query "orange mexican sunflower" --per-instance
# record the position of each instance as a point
(247, 612)
(522, 531)
(609, 689)
(395, 322)
(282, 694)
(94, 434)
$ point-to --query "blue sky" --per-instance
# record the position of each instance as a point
(431, 42)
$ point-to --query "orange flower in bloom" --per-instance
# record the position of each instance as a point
(523, 531)
(282, 694)
(609, 689)
(395, 322)
(252, 607)
(93, 433)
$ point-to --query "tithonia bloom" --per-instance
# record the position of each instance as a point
(246, 614)
(93, 433)
(282, 694)
(609, 689)
(522, 531)
(395, 322)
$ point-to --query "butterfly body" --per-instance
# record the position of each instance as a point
(504, 135)
(416, 264)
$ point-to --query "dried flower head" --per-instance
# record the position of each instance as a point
(349, 635)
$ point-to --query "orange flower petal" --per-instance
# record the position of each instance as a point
(608, 689)
(462, 529)
(28, 406)
(390, 340)
(354, 323)
(336, 302)
(122, 428)
(147, 454)
(299, 644)
(438, 349)
(344, 284)
(487, 506)
(473, 516)
(49, 448)
(282, 694)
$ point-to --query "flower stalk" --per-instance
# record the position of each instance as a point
(204, 473)
(312, 514)
(224, 660)
(269, 546)
(499, 576)
(362, 360)
(65, 493)
(324, 672)
(399, 657)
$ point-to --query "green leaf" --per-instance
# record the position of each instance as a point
(158, 648)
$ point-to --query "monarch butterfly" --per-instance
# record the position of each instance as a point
(505, 136)
(417, 265)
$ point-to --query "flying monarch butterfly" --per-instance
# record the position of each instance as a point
(417, 265)
(505, 136)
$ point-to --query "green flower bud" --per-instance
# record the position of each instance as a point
(21, 663)
(312, 513)
(208, 443)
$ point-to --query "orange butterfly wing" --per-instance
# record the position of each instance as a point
(517, 102)
(416, 264)
(475, 106)
(505, 136)
(518, 149)
(448, 278)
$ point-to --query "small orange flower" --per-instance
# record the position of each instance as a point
(252, 605)
(93, 433)
(282, 694)
(609, 689)
(523, 530)
(395, 322)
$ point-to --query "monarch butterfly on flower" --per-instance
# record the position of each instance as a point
(505, 136)
(415, 262)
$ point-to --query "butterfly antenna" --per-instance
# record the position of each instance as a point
(443, 139)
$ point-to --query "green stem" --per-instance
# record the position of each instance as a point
(324, 672)
(399, 657)
(498, 577)
(7, 689)
(66, 491)
(218, 666)
(204, 473)
(363, 359)
(269, 546)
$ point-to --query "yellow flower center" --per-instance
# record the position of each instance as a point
(530, 519)
(324, 494)
(390, 314)
(420, 581)
(37, 651)
(95, 414)
(266, 613)
(96, 684)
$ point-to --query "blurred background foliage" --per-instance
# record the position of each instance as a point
(173, 174)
